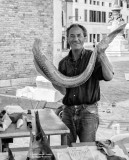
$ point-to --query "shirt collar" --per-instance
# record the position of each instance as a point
(81, 56)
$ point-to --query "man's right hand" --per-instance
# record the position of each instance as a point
(62, 90)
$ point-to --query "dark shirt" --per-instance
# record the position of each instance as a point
(87, 93)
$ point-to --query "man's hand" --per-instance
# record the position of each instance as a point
(103, 45)
(62, 90)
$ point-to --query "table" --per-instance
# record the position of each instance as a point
(63, 152)
(60, 154)
(18, 155)
(50, 122)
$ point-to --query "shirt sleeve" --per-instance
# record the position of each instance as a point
(61, 67)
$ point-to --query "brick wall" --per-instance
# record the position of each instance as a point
(20, 22)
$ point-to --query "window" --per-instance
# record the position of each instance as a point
(85, 15)
(110, 5)
(90, 1)
(98, 3)
(98, 37)
(97, 16)
(85, 1)
(127, 5)
(92, 16)
(76, 14)
(62, 19)
(90, 37)
(76, 0)
(94, 36)
(121, 3)
(103, 17)
(102, 3)
(97, 20)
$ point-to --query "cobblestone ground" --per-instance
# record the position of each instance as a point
(117, 90)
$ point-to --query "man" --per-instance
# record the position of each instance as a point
(80, 112)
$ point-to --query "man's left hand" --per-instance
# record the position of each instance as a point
(102, 47)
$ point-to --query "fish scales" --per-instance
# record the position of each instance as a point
(59, 79)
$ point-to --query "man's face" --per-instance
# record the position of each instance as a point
(76, 38)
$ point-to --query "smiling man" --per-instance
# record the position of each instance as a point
(80, 112)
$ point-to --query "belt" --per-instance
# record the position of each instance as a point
(92, 108)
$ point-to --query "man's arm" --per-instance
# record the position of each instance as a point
(107, 68)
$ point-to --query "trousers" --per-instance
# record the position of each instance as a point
(83, 121)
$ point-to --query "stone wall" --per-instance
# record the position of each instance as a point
(21, 22)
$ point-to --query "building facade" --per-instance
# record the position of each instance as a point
(22, 22)
(94, 15)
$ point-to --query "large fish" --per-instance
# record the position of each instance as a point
(39, 148)
(51, 72)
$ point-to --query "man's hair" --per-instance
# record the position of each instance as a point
(77, 25)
